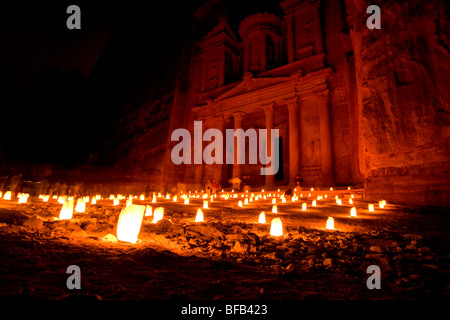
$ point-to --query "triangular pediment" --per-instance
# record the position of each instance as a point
(221, 27)
(249, 85)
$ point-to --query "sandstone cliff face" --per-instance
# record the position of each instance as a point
(143, 141)
(402, 90)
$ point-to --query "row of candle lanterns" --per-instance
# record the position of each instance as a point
(129, 216)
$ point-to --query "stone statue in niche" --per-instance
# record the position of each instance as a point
(311, 153)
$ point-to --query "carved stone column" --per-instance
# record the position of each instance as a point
(326, 151)
(268, 110)
(218, 170)
(294, 145)
(198, 165)
(237, 168)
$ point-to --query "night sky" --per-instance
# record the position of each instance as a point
(62, 89)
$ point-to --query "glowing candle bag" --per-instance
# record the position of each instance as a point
(276, 227)
(130, 221)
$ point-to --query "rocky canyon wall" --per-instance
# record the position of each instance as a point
(402, 90)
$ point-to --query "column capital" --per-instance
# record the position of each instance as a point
(293, 103)
(268, 108)
(239, 115)
(289, 17)
(323, 96)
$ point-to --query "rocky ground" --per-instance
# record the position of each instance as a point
(230, 255)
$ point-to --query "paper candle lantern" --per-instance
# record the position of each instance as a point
(45, 198)
(240, 203)
(274, 209)
(350, 201)
(130, 221)
(154, 200)
(330, 223)
(274, 200)
(22, 198)
(175, 198)
(262, 217)
(304, 206)
(81, 206)
(276, 227)
(205, 204)
(246, 201)
(66, 210)
(381, 203)
(158, 214)
(186, 201)
(94, 200)
(115, 201)
(353, 212)
(339, 202)
(199, 216)
(148, 211)
(371, 207)
(314, 203)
